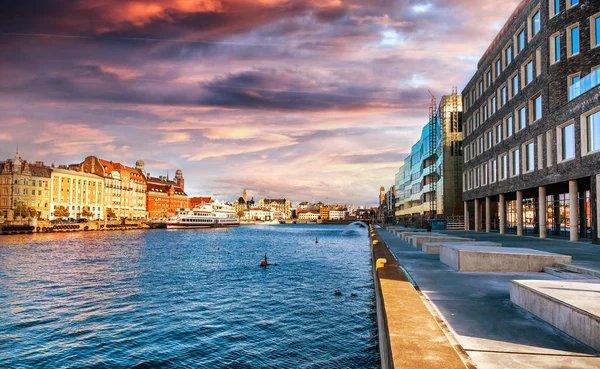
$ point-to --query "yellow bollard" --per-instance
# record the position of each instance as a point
(380, 263)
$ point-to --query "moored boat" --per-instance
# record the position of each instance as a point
(206, 216)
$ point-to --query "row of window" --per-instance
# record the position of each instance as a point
(523, 116)
(523, 158)
(520, 40)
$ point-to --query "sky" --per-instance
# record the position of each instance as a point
(314, 100)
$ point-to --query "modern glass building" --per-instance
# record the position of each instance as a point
(428, 183)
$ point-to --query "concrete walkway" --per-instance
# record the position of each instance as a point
(477, 309)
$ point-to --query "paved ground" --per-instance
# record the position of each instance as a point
(477, 308)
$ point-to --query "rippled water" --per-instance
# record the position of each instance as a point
(188, 299)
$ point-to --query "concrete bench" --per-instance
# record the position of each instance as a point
(417, 240)
(571, 306)
(405, 235)
(434, 247)
(498, 259)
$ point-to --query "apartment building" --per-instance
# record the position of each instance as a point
(532, 124)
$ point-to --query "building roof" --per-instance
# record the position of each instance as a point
(159, 185)
(75, 172)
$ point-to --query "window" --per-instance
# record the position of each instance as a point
(529, 157)
(521, 41)
(504, 95)
(494, 104)
(485, 112)
(484, 174)
(477, 176)
(595, 30)
(480, 88)
(498, 131)
(566, 142)
(535, 107)
(522, 116)
(515, 85)
(488, 78)
(573, 79)
(503, 167)
(481, 145)
(509, 126)
(477, 119)
(498, 67)
(554, 7)
(529, 72)
(572, 3)
(490, 139)
(555, 48)
(508, 55)
(573, 40)
(535, 23)
(515, 162)
(592, 132)
(494, 169)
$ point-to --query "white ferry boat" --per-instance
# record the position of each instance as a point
(206, 216)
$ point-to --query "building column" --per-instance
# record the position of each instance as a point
(574, 218)
(596, 200)
(488, 214)
(519, 213)
(477, 216)
(467, 225)
(542, 215)
(502, 213)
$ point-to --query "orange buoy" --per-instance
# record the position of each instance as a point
(263, 264)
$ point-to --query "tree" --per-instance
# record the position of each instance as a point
(86, 212)
(110, 213)
(25, 211)
(240, 213)
(61, 211)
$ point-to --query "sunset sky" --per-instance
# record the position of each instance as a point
(300, 98)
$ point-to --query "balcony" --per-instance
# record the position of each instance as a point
(584, 85)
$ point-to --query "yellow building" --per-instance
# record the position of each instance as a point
(25, 184)
(309, 215)
(124, 187)
(324, 212)
(75, 191)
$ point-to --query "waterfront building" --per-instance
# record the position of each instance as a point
(22, 183)
(324, 212)
(198, 201)
(280, 205)
(532, 124)
(309, 215)
(429, 180)
(338, 214)
(258, 213)
(76, 191)
(164, 197)
(124, 187)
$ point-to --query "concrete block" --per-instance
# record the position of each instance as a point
(419, 239)
(434, 247)
(495, 259)
(404, 235)
(571, 306)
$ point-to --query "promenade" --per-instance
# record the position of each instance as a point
(477, 310)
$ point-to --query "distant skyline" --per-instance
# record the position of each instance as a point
(302, 98)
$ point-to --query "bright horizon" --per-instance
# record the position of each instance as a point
(310, 100)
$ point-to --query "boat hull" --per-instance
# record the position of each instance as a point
(182, 225)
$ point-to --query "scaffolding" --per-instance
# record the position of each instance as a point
(433, 158)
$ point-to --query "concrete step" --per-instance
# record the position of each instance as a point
(434, 247)
(571, 306)
(565, 274)
(579, 269)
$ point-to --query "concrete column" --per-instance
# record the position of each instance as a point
(574, 218)
(467, 216)
(477, 216)
(502, 213)
(488, 214)
(542, 212)
(597, 195)
(519, 213)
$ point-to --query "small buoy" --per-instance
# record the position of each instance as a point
(353, 295)
(263, 264)
(337, 293)
(316, 240)
(275, 264)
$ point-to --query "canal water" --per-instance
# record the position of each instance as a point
(188, 299)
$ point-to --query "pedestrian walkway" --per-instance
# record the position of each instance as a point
(477, 309)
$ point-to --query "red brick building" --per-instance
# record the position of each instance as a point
(165, 197)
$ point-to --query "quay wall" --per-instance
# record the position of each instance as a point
(409, 335)
(47, 227)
